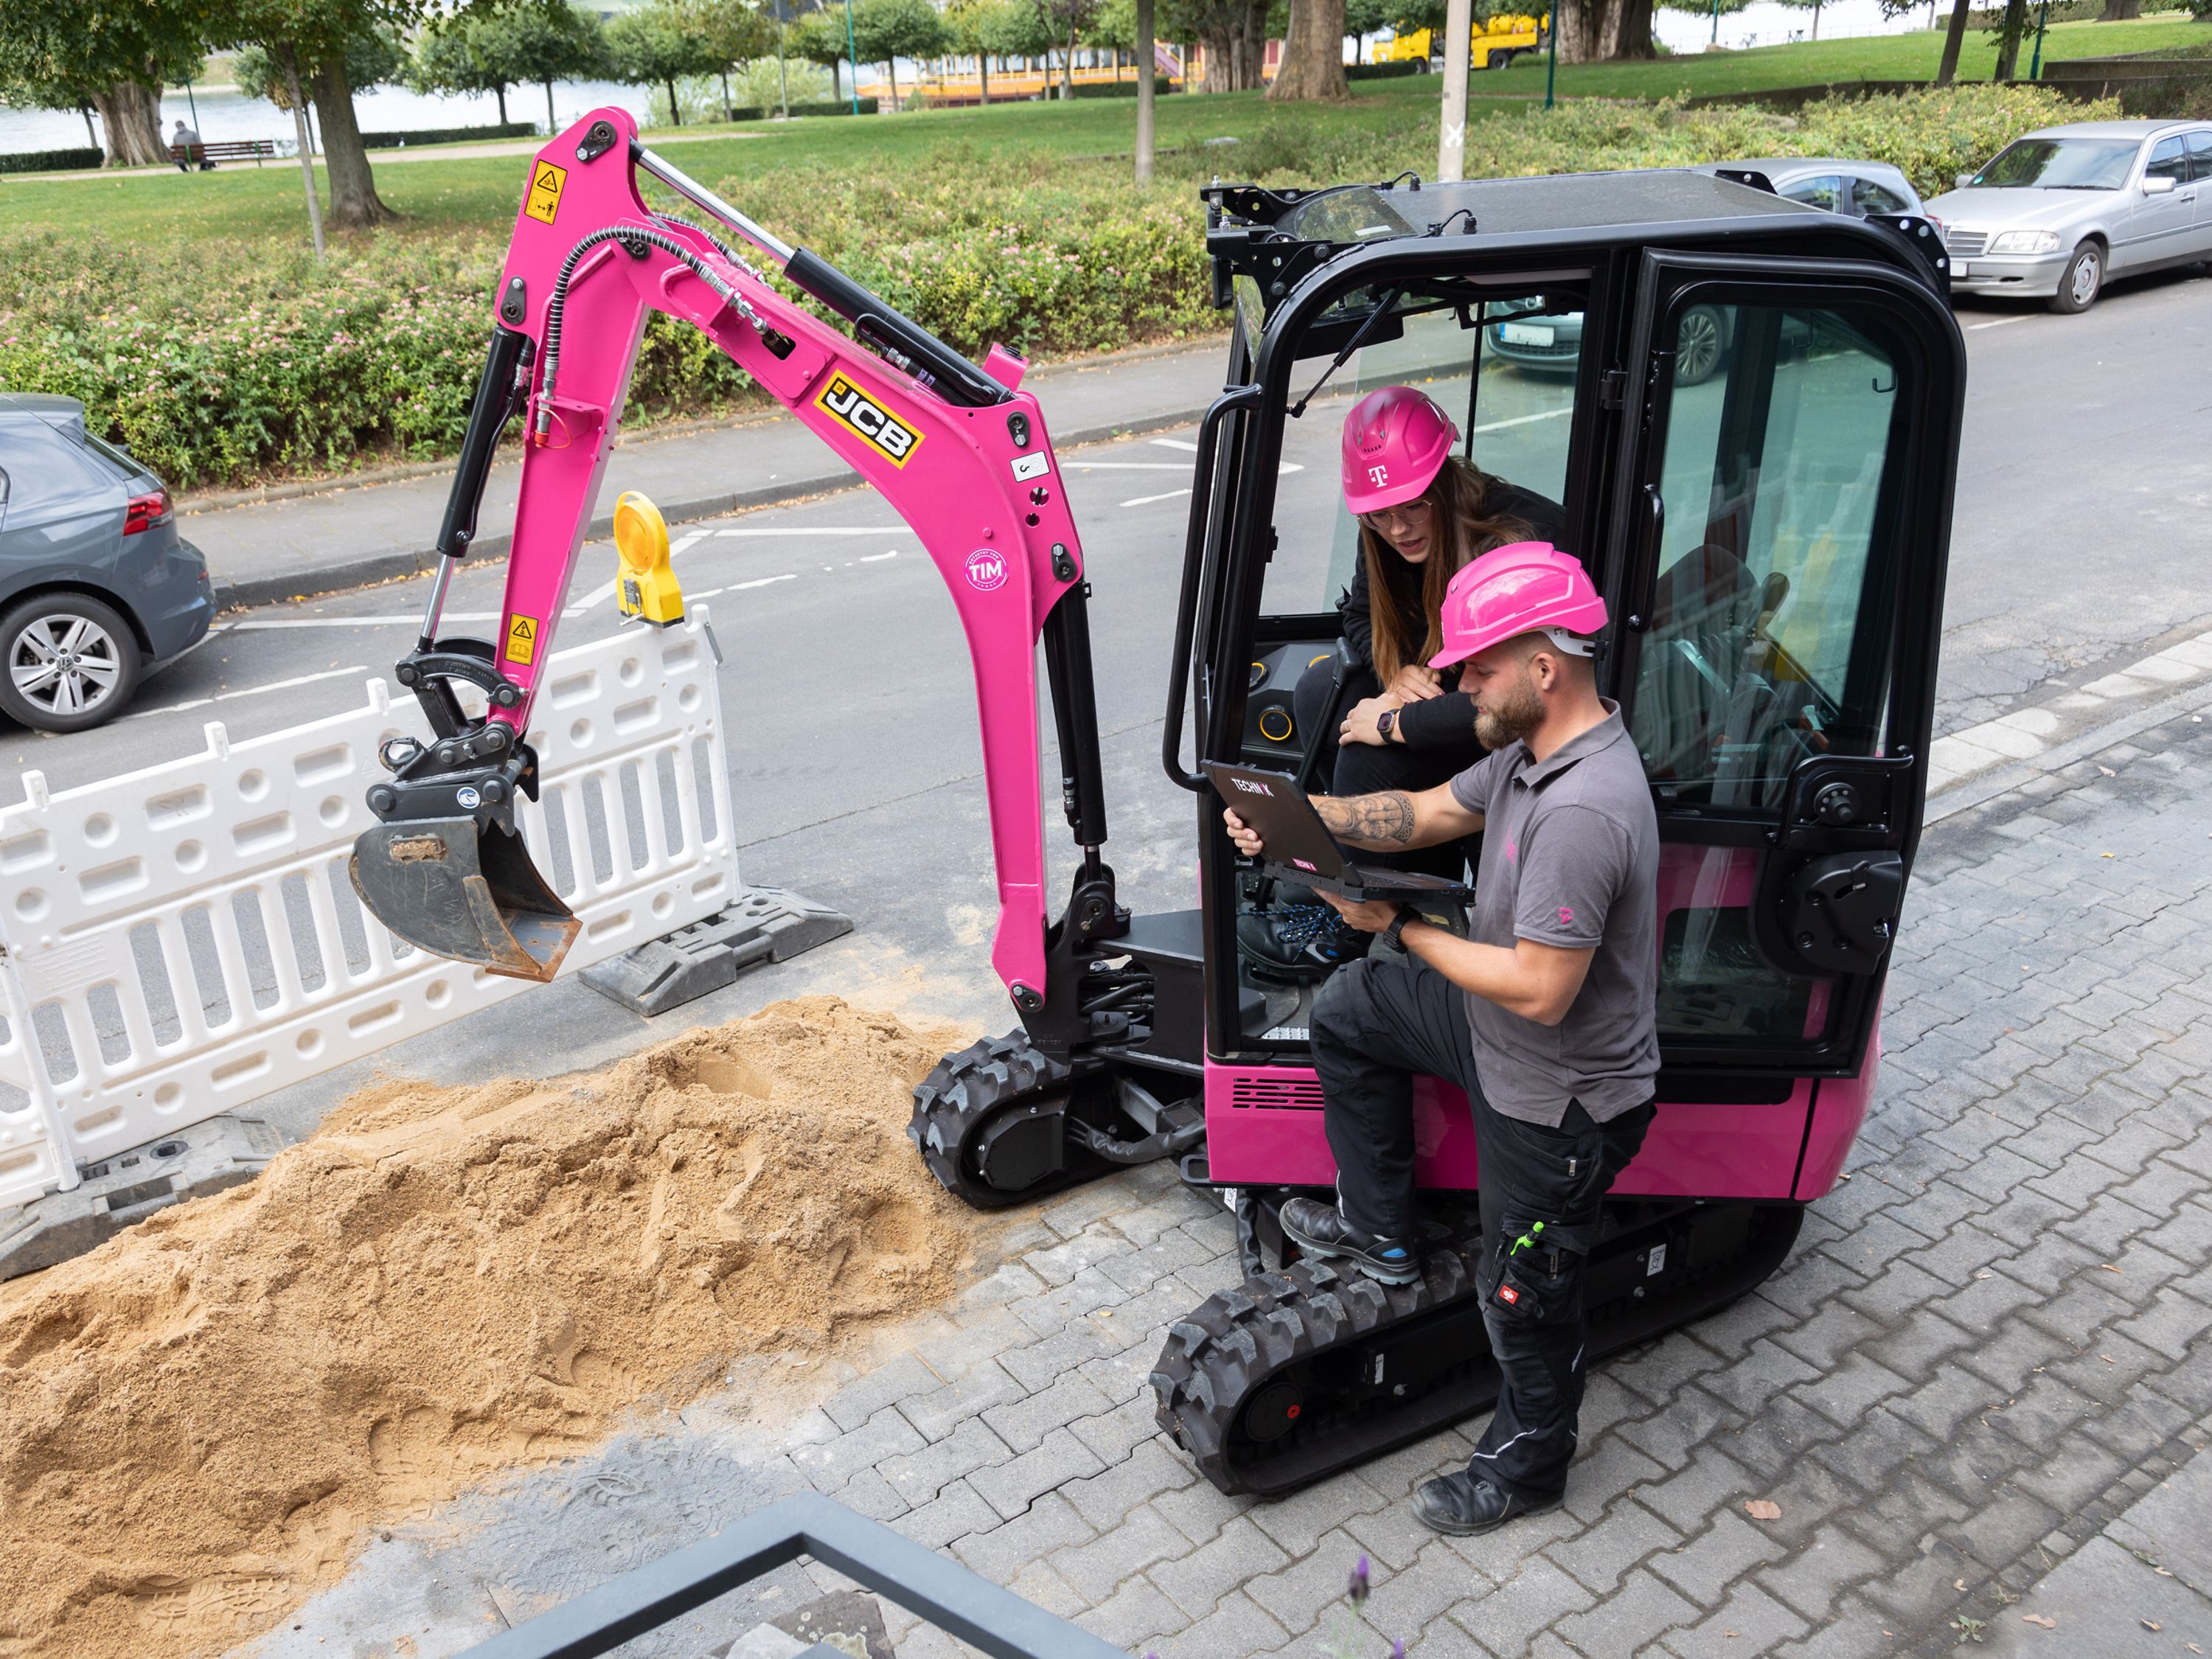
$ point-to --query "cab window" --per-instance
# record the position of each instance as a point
(1824, 191)
(1877, 198)
(1770, 630)
(2169, 159)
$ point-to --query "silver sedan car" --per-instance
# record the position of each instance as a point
(2061, 209)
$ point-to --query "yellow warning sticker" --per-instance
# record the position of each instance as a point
(544, 198)
(521, 638)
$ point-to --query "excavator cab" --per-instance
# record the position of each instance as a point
(1743, 416)
(1746, 413)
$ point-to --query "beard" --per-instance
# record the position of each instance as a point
(1507, 715)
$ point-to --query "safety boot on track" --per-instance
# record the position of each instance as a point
(1321, 1230)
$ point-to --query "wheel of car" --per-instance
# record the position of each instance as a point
(1700, 344)
(2081, 280)
(71, 662)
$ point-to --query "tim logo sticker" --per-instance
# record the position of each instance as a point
(855, 409)
(987, 570)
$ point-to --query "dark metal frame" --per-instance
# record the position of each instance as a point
(956, 1600)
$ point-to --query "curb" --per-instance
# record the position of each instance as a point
(361, 571)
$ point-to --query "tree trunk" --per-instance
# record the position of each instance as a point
(1147, 91)
(675, 114)
(983, 71)
(2120, 11)
(893, 67)
(500, 92)
(1312, 66)
(2015, 24)
(726, 105)
(90, 137)
(1604, 31)
(288, 60)
(355, 205)
(552, 126)
(1947, 70)
(1067, 68)
(132, 116)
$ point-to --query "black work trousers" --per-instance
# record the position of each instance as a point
(1377, 1023)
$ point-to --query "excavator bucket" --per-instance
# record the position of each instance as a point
(466, 891)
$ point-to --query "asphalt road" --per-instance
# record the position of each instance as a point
(855, 772)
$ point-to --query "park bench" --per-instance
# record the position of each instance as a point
(226, 149)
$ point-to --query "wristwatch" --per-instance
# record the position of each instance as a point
(1390, 935)
(1386, 723)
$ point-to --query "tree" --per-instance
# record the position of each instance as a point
(993, 28)
(481, 49)
(733, 31)
(1232, 33)
(885, 31)
(329, 48)
(1947, 70)
(1311, 69)
(111, 56)
(1065, 21)
(656, 46)
(821, 37)
(1363, 18)
(2013, 26)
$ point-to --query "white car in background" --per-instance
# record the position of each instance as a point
(2060, 210)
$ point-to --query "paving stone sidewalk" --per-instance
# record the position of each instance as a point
(1990, 1341)
(1980, 1378)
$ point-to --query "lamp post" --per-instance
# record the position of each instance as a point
(1717, 22)
(2042, 17)
(1551, 67)
(853, 51)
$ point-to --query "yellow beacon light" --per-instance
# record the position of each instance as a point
(646, 586)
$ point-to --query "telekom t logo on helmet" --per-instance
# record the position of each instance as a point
(1378, 475)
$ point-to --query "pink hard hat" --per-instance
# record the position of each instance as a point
(1395, 441)
(1523, 588)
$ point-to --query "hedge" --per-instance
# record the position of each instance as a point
(1386, 71)
(220, 363)
(1127, 89)
(839, 106)
(448, 135)
(52, 161)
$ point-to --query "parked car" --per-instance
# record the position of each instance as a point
(2061, 209)
(1858, 188)
(96, 588)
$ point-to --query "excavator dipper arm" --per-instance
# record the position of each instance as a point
(959, 453)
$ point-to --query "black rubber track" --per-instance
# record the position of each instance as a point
(1216, 1359)
(963, 1092)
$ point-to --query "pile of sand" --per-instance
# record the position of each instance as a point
(198, 1420)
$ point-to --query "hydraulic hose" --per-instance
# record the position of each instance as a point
(557, 307)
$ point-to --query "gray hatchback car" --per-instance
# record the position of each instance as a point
(96, 588)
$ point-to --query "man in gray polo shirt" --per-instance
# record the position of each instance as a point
(1545, 1014)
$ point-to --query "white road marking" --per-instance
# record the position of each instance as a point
(1128, 467)
(245, 691)
(1176, 443)
(765, 581)
(1146, 500)
(820, 530)
(1998, 322)
(1523, 420)
(877, 558)
(257, 623)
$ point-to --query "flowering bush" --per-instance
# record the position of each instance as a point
(220, 363)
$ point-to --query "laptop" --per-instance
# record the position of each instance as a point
(1299, 848)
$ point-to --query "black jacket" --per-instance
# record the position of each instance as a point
(1435, 722)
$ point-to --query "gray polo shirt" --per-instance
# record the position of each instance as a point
(1569, 858)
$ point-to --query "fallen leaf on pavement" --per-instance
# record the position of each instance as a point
(2038, 1618)
(2108, 771)
(2110, 1268)
(1762, 1508)
(2150, 1624)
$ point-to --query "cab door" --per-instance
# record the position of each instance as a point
(1780, 530)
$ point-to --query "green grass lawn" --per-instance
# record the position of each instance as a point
(441, 195)
(444, 194)
(1871, 58)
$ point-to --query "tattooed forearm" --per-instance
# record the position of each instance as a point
(1383, 820)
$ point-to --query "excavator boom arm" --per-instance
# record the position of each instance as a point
(961, 454)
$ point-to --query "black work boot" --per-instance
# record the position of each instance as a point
(1319, 1230)
(1464, 1504)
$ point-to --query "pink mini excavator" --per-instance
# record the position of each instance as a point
(1746, 411)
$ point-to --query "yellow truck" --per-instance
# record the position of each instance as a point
(1495, 44)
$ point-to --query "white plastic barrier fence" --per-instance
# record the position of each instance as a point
(185, 938)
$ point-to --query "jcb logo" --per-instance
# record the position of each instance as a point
(864, 415)
(1378, 475)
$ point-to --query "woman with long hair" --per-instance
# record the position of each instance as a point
(1423, 513)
